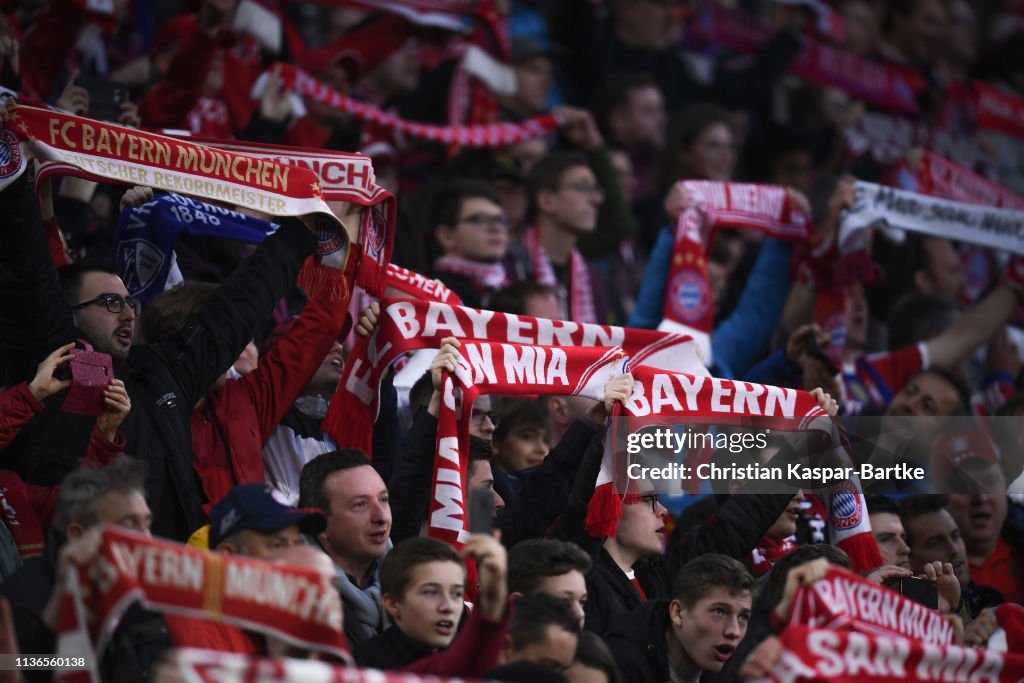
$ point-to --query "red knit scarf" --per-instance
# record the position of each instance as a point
(826, 656)
(581, 293)
(296, 605)
(412, 285)
(764, 556)
(509, 370)
(845, 629)
(482, 135)
(663, 393)
(413, 325)
(938, 176)
(343, 177)
(106, 152)
(661, 396)
(689, 305)
(999, 111)
(844, 600)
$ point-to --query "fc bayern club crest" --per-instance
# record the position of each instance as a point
(374, 233)
(10, 154)
(689, 295)
(847, 510)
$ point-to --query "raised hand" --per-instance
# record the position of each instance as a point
(44, 384)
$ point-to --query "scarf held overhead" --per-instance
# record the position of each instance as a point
(407, 325)
(146, 234)
(672, 397)
(843, 600)
(109, 153)
(689, 304)
(343, 177)
(509, 370)
(887, 207)
(482, 135)
(296, 605)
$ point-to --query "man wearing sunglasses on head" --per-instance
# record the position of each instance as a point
(164, 377)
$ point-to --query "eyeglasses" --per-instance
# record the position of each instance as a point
(114, 302)
(486, 219)
(477, 416)
(586, 188)
(652, 500)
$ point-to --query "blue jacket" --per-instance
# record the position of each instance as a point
(737, 340)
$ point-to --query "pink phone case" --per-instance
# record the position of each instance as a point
(91, 372)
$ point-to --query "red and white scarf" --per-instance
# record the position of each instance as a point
(938, 176)
(208, 666)
(844, 600)
(509, 370)
(689, 305)
(659, 396)
(487, 276)
(764, 556)
(661, 392)
(407, 325)
(296, 605)
(581, 293)
(106, 152)
(876, 84)
(342, 177)
(826, 656)
(998, 110)
(481, 135)
(412, 285)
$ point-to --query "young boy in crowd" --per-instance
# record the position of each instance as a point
(696, 631)
(423, 584)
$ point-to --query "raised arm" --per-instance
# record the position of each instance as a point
(974, 328)
(212, 340)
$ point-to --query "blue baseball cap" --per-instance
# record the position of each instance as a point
(259, 507)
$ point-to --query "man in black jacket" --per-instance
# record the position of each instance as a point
(165, 378)
(696, 631)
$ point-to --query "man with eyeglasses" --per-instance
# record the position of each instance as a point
(473, 231)
(564, 200)
(165, 378)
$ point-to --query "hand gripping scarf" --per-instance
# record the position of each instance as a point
(296, 605)
(509, 370)
(689, 307)
(407, 325)
(846, 629)
(937, 176)
(887, 207)
(348, 178)
(413, 285)
(109, 153)
(672, 397)
(146, 235)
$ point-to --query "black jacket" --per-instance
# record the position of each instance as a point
(391, 649)
(735, 531)
(164, 379)
(638, 641)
